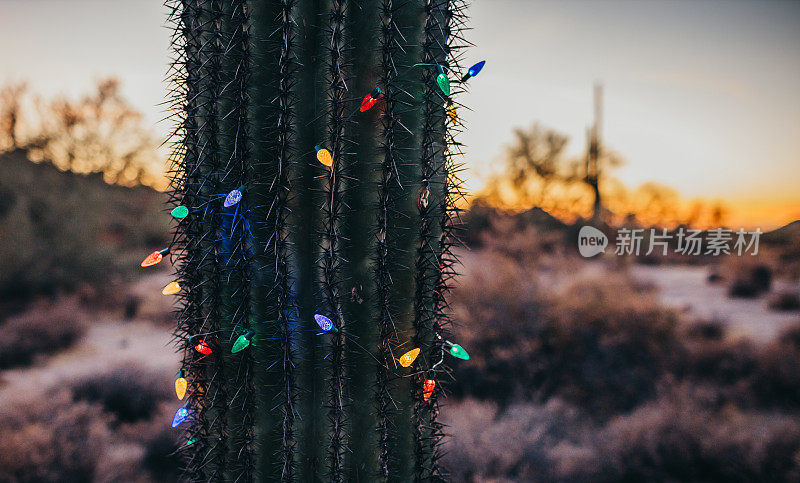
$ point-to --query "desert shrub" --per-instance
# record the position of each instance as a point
(499, 308)
(50, 439)
(721, 361)
(742, 373)
(777, 383)
(677, 439)
(682, 435)
(784, 301)
(601, 343)
(705, 330)
(128, 392)
(605, 345)
(65, 232)
(161, 459)
(743, 288)
(750, 279)
(43, 329)
(511, 444)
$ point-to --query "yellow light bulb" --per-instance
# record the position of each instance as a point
(171, 288)
(451, 111)
(180, 387)
(409, 357)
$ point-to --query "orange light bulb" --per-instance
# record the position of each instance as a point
(324, 156)
(154, 258)
(409, 357)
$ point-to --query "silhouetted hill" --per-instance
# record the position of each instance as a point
(58, 229)
(785, 235)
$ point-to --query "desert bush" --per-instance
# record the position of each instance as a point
(601, 343)
(742, 373)
(65, 232)
(129, 392)
(44, 329)
(750, 278)
(499, 308)
(511, 444)
(743, 288)
(784, 301)
(705, 330)
(606, 344)
(50, 439)
(160, 456)
(682, 435)
(678, 439)
(777, 383)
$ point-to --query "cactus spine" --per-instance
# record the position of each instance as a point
(365, 242)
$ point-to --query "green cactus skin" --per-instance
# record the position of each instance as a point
(366, 242)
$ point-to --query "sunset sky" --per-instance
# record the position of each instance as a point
(701, 96)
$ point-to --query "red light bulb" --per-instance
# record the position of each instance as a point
(367, 103)
(203, 348)
(427, 388)
(370, 99)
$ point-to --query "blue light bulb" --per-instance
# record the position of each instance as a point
(180, 416)
(233, 197)
(473, 71)
(324, 323)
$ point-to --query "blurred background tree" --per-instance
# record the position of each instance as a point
(64, 221)
(99, 132)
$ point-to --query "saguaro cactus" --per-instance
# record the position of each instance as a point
(315, 154)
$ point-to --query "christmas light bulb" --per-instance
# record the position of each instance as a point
(451, 111)
(180, 416)
(243, 341)
(171, 288)
(459, 352)
(180, 212)
(325, 323)
(444, 83)
(427, 388)
(233, 197)
(154, 258)
(203, 348)
(409, 357)
(180, 386)
(370, 99)
(191, 442)
(473, 71)
(324, 156)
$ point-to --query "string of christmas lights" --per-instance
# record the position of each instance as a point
(203, 345)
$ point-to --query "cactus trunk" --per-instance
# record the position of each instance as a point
(364, 242)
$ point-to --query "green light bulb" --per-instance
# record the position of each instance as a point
(180, 212)
(242, 342)
(458, 351)
(191, 442)
(444, 83)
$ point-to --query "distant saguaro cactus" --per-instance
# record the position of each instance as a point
(314, 154)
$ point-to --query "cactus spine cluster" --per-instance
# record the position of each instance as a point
(365, 242)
